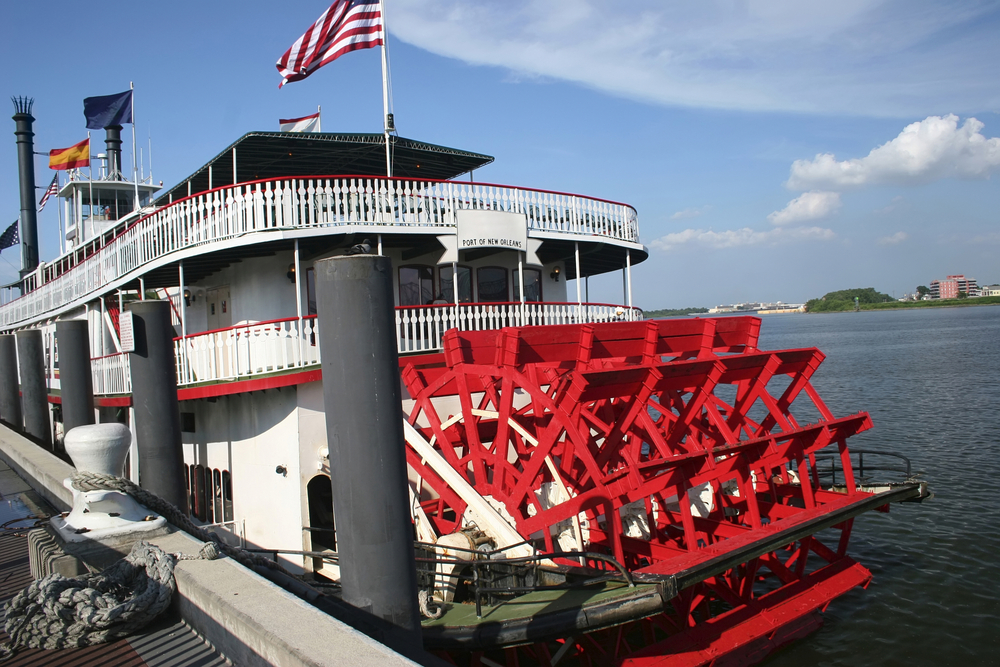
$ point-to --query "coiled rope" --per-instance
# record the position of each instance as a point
(62, 612)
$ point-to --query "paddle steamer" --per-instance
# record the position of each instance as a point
(586, 486)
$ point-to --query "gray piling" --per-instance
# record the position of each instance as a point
(76, 383)
(364, 426)
(34, 392)
(154, 399)
(10, 391)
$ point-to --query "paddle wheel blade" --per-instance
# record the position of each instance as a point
(674, 449)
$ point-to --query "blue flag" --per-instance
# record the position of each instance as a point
(9, 237)
(107, 110)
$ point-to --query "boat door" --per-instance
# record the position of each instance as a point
(220, 316)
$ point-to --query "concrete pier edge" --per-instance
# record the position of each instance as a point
(250, 620)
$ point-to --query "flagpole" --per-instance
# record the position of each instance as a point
(319, 117)
(135, 169)
(385, 90)
(90, 180)
(62, 236)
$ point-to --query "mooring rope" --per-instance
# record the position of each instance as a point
(92, 481)
(62, 612)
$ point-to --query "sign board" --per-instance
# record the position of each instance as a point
(492, 229)
(125, 331)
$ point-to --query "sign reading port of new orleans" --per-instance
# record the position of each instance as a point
(492, 229)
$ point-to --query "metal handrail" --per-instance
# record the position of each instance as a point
(322, 203)
(486, 559)
(834, 460)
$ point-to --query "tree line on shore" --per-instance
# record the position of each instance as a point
(869, 299)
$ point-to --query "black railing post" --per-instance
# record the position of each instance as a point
(364, 427)
(76, 383)
(34, 392)
(154, 395)
(10, 392)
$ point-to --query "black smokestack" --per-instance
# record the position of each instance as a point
(26, 168)
(113, 140)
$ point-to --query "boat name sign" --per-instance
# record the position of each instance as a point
(492, 229)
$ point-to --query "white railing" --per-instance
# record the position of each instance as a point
(421, 328)
(263, 348)
(111, 374)
(247, 350)
(319, 203)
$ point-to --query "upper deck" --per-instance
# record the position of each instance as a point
(270, 210)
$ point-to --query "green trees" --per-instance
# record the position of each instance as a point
(844, 300)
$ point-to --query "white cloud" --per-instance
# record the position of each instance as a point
(884, 57)
(936, 147)
(893, 239)
(689, 213)
(740, 237)
(892, 205)
(808, 206)
(989, 238)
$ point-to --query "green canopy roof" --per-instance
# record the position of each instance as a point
(261, 155)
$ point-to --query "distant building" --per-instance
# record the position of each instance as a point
(990, 290)
(952, 285)
(758, 307)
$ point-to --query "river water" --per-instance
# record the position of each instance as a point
(930, 379)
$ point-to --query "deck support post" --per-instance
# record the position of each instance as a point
(34, 392)
(76, 382)
(10, 393)
(364, 426)
(576, 257)
(154, 397)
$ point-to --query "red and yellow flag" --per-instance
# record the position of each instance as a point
(74, 157)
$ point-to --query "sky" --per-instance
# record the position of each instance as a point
(774, 150)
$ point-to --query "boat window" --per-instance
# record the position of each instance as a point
(187, 487)
(207, 501)
(532, 285)
(416, 285)
(217, 493)
(491, 284)
(311, 291)
(227, 496)
(198, 507)
(464, 284)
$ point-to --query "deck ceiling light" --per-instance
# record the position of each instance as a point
(555, 274)
(291, 273)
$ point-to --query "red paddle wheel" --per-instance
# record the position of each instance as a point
(675, 447)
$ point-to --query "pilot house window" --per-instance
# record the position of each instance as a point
(532, 285)
(464, 284)
(491, 284)
(416, 285)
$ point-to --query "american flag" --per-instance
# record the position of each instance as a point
(10, 237)
(348, 25)
(53, 189)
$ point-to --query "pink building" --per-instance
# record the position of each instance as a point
(952, 285)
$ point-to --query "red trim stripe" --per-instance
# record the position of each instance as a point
(283, 121)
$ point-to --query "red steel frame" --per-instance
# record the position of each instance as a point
(634, 414)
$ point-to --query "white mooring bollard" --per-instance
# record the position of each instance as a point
(102, 514)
